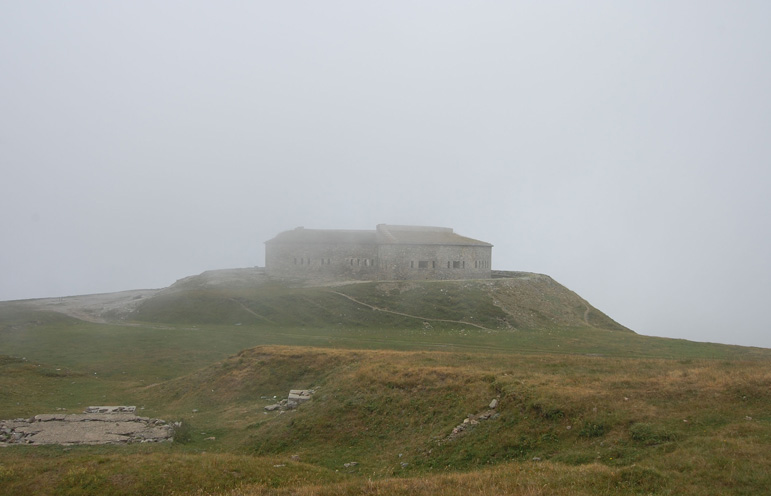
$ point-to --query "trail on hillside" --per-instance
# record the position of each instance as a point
(586, 314)
(425, 319)
(252, 311)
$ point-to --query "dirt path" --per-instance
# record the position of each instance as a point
(247, 309)
(586, 314)
(425, 319)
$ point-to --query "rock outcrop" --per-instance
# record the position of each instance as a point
(117, 425)
(296, 397)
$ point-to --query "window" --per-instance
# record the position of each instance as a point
(423, 264)
(456, 265)
(412, 264)
(433, 264)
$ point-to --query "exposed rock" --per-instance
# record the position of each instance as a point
(85, 428)
(296, 397)
(110, 409)
(470, 422)
(494, 404)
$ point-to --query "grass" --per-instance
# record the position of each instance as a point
(583, 409)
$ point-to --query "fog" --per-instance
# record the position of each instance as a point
(620, 147)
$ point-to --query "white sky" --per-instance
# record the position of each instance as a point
(623, 148)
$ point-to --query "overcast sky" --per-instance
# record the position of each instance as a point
(623, 148)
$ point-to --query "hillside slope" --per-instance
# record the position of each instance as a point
(521, 301)
(397, 413)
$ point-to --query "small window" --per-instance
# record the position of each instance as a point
(433, 264)
(423, 264)
(448, 265)
(412, 264)
(456, 265)
(295, 260)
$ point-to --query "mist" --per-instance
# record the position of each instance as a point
(621, 148)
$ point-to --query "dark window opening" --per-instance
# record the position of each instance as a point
(456, 265)
(423, 264)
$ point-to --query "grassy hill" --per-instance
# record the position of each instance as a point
(585, 406)
(524, 301)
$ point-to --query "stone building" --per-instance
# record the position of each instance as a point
(387, 253)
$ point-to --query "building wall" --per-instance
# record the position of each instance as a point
(434, 262)
(350, 261)
(321, 261)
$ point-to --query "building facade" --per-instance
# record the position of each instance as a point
(387, 253)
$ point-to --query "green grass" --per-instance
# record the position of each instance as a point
(585, 408)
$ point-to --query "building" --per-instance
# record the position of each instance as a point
(386, 253)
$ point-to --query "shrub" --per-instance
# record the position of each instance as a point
(592, 429)
(183, 432)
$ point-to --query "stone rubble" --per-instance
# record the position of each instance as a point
(473, 420)
(118, 425)
(296, 397)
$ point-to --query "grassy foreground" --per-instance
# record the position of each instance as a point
(566, 425)
(585, 406)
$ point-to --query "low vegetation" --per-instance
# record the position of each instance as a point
(584, 406)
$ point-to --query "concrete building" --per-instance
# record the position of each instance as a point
(387, 253)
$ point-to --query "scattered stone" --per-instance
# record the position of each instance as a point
(536, 459)
(110, 409)
(350, 464)
(295, 458)
(494, 404)
(212, 438)
(404, 464)
(296, 397)
(279, 466)
(470, 422)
